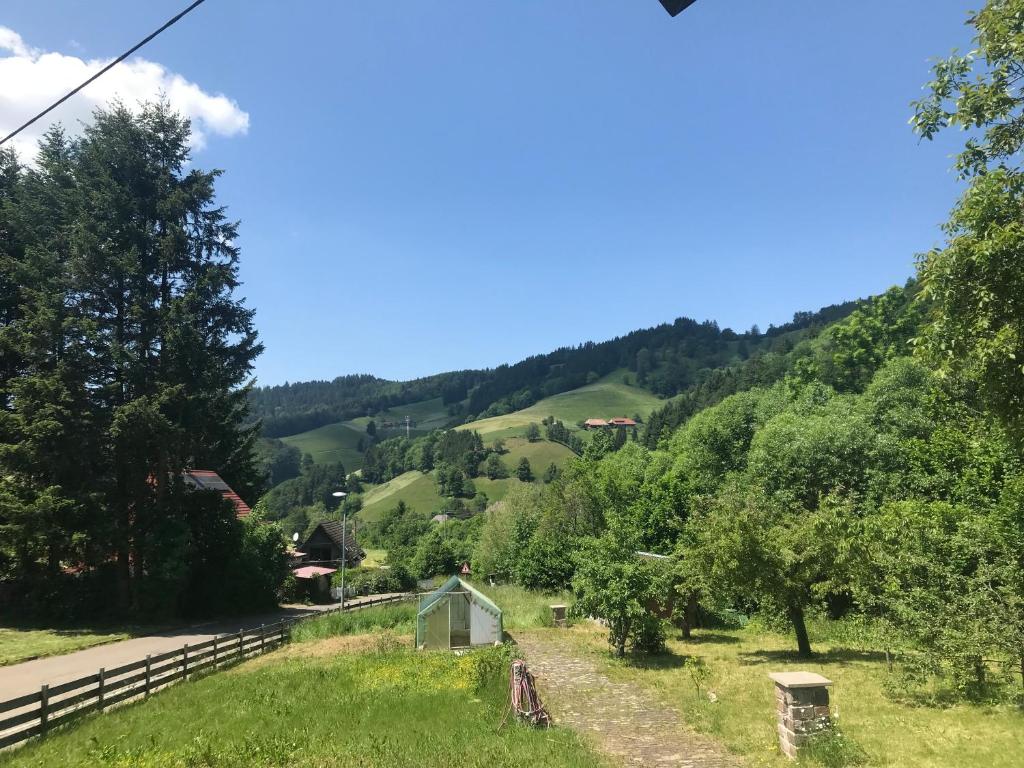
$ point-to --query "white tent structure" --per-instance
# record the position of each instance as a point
(457, 616)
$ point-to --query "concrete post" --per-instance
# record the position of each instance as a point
(802, 703)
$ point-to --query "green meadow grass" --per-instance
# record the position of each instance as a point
(742, 715)
(329, 444)
(399, 617)
(602, 400)
(22, 643)
(427, 415)
(375, 558)
(539, 454)
(419, 491)
(522, 609)
(383, 708)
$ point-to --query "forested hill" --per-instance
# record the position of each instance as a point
(882, 324)
(288, 409)
(667, 359)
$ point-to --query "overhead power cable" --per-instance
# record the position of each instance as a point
(107, 68)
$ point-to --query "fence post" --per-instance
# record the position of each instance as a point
(184, 662)
(102, 685)
(148, 675)
(214, 651)
(241, 653)
(44, 708)
(263, 637)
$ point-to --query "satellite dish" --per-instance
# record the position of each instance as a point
(295, 537)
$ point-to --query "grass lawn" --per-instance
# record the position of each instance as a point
(23, 643)
(602, 400)
(329, 444)
(325, 700)
(743, 716)
(374, 558)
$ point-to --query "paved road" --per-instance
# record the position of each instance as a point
(18, 679)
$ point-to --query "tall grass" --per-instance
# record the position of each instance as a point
(399, 617)
(735, 701)
(522, 609)
(390, 709)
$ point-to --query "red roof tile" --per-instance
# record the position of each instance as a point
(208, 480)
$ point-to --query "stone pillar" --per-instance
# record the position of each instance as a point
(558, 615)
(802, 703)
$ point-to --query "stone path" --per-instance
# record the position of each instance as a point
(625, 720)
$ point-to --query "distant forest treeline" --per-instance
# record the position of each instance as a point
(667, 359)
(288, 409)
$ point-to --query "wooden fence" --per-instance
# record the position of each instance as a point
(54, 705)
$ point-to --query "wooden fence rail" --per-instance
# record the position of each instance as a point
(35, 714)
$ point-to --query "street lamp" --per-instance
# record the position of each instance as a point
(344, 545)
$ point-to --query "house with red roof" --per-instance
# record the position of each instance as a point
(621, 421)
(208, 480)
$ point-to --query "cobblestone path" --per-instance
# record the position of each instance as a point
(624, 720)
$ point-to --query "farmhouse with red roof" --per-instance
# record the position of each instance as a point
(619, 421)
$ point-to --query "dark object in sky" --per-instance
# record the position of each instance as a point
(675, 7)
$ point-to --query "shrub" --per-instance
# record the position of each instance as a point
(833, 749)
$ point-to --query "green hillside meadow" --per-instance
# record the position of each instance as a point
(338, 442)
(419, 491)
(330, 444)
(426, 415)
(602, 400)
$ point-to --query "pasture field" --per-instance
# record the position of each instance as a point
(427, 415)
(419, 491)
(330, 443)
(741, 712)
(604, 399)
(339, 441)
(19, 643)
(539, 454)
(330, 699)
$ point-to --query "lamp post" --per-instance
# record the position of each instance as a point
(344, 545)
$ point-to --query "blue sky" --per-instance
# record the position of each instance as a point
(433, 185)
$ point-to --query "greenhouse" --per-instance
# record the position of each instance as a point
(457, 616)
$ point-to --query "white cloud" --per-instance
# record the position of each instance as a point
(31, 80)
